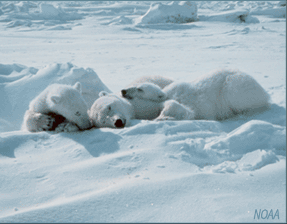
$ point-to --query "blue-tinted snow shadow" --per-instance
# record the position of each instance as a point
(274, 115)
(96, 141)
(9, 144)
(168, 26)
(10, 141)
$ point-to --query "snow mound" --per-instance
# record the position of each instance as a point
(230, 11)
(257, 159)
(18, 7)
(249, 162)
(20, 84)
(50, 12)
(60, 28)
(204, 143)
(29, 14)
(234, 16)
(267, 9)
(120, 20)
(250, 136)
(174, 12)
(17, 23)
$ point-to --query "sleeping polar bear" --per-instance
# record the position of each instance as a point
(113, 111)
(59, 108)
(216, 96)
(154, 79)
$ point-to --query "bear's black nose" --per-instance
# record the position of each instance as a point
(119, 123)
(124, 92)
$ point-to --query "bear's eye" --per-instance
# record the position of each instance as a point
(78, 114)
(140, 90)
(109, 108)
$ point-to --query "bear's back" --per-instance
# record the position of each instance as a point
(155, 79)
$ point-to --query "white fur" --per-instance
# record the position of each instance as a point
(123, 110)
(155, 79)
(146, 103)
(111, 111)
(216, 96)
(146, 91)
(60, 99)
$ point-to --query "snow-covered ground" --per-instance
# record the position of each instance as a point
(171, 171)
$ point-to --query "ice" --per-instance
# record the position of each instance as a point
(174, 12)
(30, 14)
(235, 16)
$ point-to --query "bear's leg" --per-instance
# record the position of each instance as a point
(173, 110)
(67, 126)
(58, 119)
(36, 122)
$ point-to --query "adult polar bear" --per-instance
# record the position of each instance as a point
(114, 111)
(59, 107)
(216, 96)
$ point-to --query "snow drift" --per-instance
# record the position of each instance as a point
(235, 16)
(174, 12)
(30, 81)
(30, 14)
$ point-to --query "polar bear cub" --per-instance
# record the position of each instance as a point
(59, 107)
(145, 91)
(158, 80)
(114, 111)
(216, 96)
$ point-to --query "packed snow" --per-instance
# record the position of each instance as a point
(168, 171)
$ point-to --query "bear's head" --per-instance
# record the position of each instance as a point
(111, 111)
(68, 101)
(145, 91)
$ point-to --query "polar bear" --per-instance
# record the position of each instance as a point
(216, 96)
(111, 110)
(59, 107)
(114, 111)
(144, 91)
(147, 109)
(155, 79)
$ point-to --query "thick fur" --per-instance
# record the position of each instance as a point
(114, 111)
(111, 111)
(216, 96)
(59, 107)
(144, 91)
(147, 109)
(155, 79)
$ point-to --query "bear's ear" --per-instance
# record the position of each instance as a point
(56, 99)
(78, 86)
(103, 93)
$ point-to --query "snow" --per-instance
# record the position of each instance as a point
(30, 81)
(174, 12)
(169, 171)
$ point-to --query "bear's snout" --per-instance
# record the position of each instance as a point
(125, 94)
(120, 123)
